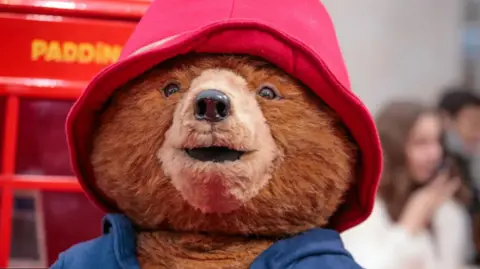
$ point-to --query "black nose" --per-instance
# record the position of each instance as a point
(212, 105)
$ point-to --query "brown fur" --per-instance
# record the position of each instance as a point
(193, 251)
(314, 159)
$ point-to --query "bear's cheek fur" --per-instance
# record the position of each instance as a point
(125, 148)
(319, 160)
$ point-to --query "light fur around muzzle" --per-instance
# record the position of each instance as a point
(219, 187)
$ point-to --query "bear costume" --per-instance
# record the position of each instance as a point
(226, 136)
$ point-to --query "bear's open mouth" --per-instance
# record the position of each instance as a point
(214, 154)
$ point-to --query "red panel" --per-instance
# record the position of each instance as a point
(2, 132)
(10, 135)
(69, 219)
(41, 88)
(59, 48)
(10, 141)
(50, 183)
(42, 147)
(113, 9)
(2, 125)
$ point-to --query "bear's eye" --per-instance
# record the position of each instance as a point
(170, 89)
(268, 93)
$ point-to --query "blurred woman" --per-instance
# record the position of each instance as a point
(419, 220)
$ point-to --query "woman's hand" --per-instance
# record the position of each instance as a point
(424, 202)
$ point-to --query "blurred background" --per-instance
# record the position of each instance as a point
(411, 52)
(410, 48)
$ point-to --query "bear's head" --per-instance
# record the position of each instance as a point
(222, 144)
(228, 118)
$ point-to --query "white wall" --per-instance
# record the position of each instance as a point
(399, 48)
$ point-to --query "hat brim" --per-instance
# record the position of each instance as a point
(236, 37)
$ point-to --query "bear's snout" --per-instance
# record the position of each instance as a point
(212, 105)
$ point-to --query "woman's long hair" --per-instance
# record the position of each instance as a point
(394, 124)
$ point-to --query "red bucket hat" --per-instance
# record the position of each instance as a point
(297, 36)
